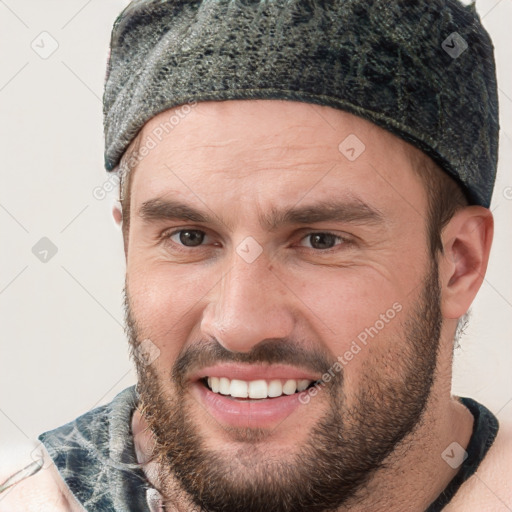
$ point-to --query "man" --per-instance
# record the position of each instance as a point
(304, 203)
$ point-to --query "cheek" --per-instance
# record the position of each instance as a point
(350, 307)
(166, 300)
(367, 320)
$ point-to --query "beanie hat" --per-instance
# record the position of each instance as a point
(421, 69)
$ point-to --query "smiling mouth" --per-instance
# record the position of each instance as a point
(260, 389)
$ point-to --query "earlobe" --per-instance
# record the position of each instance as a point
(117, 213)
(467, 240)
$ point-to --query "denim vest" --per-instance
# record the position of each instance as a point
(96, 457)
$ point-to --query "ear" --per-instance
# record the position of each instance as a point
(467, 240)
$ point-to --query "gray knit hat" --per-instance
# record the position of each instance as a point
(422, 69)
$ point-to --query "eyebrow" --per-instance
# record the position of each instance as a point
(353, 211)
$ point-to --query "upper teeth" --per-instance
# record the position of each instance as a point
(256, 388)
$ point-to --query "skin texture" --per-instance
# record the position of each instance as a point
(237, 161)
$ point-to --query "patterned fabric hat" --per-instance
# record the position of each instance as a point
(422, 69)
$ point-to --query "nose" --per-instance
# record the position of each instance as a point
(250, 304)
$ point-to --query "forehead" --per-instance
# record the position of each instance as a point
(275, 148)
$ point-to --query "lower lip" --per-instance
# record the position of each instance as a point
(264, 413)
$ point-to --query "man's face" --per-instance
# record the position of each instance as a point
(267, 252)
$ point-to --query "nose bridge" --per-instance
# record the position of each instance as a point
(249, 305)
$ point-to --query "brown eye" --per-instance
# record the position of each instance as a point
(322, 241)
(189, 237)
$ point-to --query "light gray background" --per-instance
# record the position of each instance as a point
(63, 350)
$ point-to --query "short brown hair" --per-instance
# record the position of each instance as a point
(444, 198)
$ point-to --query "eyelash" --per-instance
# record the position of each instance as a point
(166, 236)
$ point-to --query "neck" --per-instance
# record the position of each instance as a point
(415, 474)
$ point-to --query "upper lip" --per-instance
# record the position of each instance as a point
(254, 372)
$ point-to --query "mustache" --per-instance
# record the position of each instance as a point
(270, 351)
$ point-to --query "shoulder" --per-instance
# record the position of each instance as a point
(490, 488)
(43, 491)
